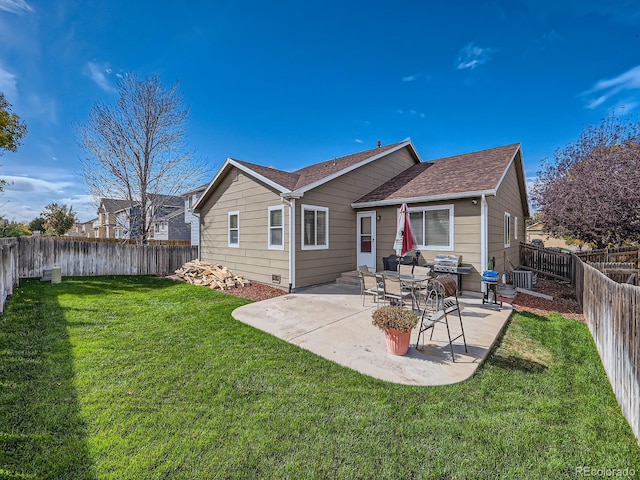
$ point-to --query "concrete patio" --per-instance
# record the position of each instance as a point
(330, 321)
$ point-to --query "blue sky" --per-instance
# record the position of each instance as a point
(292, 83)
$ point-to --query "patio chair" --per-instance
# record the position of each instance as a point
(440, 302)
(394, 290)
(370, 285)
(405, 269)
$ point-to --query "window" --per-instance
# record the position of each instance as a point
(234, 229)
(315, 227)
(276, 228)
(507, 229)
(515, 228)
(433, 227)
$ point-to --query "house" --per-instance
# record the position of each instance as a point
(193, 220)
(536, 231)
(122, 219)
(306, 227)
(82, 229)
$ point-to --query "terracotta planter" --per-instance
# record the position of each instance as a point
(397, 341)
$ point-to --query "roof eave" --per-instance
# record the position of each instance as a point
(423, 199)
(228, 164)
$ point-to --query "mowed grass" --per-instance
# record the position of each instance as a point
(145, 378)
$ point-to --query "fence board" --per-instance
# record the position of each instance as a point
(79, 258)
(547, 262)
(9, 278)
(612, 313)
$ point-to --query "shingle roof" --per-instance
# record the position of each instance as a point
(313, 173)
(114, 204)
(461, 174)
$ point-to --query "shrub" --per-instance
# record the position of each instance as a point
(394, 317)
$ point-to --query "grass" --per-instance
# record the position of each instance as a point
(145, 378)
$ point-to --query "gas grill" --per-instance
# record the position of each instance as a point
(443, 263)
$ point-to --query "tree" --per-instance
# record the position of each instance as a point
(12, 229)
(58, 219)
(11, 130)
(37, 224)
(137, 149)
(591, 192)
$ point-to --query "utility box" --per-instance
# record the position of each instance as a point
(522, 279)
(56, 275)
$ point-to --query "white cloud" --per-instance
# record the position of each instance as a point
(31, 184)
(410, 78)
(357, 140)
(15, 6)
(471, 55)
(8, 85)
(98, 73)
(606, 89)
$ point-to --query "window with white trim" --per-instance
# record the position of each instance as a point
(315, 228)
(276, 227)
(515, 228)
(234, 229)
(507, 229)
(433, 227)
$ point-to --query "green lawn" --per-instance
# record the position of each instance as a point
(145, 378)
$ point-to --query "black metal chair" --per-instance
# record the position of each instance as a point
(440, 300)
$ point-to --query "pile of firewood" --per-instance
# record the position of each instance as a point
(209, 275)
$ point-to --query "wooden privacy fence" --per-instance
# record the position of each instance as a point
(545, 261)
(612, 313)
(619, 254)
(78, 258)
(9, 277)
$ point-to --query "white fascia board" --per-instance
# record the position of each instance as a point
(524, 178)
(504, 174)
(323, 180)
(225, 167)
(432, 198)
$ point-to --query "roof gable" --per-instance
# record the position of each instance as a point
(469, 174)
(299, 181)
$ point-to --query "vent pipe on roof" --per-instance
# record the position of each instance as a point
(379, 143)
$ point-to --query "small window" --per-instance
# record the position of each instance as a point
(507, 229)
(315, 227)
(515, 228)
(433, 227)
(234, 229)
(276, 228)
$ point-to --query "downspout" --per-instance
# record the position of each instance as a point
(292, 241)
(484, 239)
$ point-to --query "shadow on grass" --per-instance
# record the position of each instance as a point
(513, 362)
(42, 433)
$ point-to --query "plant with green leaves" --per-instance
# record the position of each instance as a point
(393, 317)
(58, 219)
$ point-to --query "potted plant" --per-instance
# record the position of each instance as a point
(397, 324)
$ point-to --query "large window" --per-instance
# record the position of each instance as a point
(315, 227)
(433, 227)
(234, 229)
(276, 228)
(507, 229)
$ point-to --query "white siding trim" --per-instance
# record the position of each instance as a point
(451, 209)
(507, 230)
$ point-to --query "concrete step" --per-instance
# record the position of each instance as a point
(349, 278)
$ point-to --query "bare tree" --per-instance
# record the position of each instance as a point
(137, 149)
(591, 191)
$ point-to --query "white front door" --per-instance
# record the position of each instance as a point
(367, 239)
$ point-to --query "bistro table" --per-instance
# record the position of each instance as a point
(414, 282)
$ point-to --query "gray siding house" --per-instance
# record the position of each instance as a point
(301, 228)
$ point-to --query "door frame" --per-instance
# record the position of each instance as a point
(368, 258)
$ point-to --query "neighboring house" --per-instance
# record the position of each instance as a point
(118, 218)
(190, 199)
(535, 231)
(306, 227)
(82, 229)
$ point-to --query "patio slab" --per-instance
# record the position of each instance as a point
(330, 321)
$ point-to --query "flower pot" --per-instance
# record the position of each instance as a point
(397, 341)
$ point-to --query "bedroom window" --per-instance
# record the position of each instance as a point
(507, 229)
(276, 228)
(234, 229)
(433, 227)
(315, 227)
